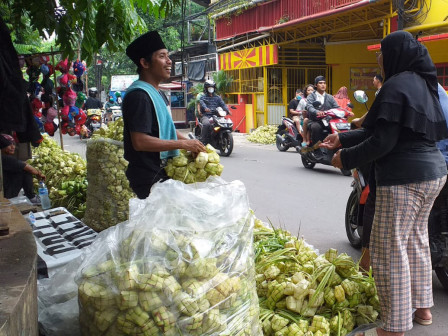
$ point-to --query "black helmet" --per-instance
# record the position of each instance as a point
(92, 92)
(209, 83)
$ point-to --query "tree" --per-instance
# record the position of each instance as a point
(85, 24)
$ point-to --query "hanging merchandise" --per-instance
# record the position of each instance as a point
(69, 97)
(78, 68)
(65, 113)
(73, 112)
(80, 99)
(36, 105)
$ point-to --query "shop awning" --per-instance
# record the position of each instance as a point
(317, 15)
(423, 39)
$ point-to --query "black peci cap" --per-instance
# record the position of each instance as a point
(143, 45)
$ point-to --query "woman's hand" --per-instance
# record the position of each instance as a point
(331, 142)
(336, 161)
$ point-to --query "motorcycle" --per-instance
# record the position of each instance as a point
(112, 114)
(221, 137)
(93, 123)
(437, 222)
(333, 121)
(287, 135)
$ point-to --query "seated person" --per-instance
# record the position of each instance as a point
(294, 113)
(210, 101)
(327, 102)
(301, 107)
(16, 173)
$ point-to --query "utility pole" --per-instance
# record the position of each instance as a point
(400, 11)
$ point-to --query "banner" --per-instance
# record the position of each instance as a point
(249, 58)
(60, 238)
(362, 78)
(122, 82)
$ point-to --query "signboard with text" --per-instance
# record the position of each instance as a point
(362, 78)
(60, 238)
(122, 82)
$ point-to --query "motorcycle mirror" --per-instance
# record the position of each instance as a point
(360, 96)
(316, 104)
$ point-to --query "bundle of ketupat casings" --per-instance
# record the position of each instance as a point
(182, 265)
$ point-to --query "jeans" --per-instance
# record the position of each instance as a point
(206, 129)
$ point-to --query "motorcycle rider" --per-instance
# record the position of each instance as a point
(110, 103)
(295, 114)
(209, 102)
(92, 102)
(327, 102)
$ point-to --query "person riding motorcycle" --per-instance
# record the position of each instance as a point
(209, 102)
(327, 102)
(107, 106)
(92, 102)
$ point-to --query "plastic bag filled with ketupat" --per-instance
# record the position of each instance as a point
(182, 265)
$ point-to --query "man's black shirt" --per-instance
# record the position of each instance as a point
(139, 116)
(92, 103)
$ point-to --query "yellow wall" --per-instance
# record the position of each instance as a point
(438, 51)
(343, 57)
(437, 12)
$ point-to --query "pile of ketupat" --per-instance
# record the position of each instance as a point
(65, 174)
(303, 294)
(264, 135)
(159, 282)
(108, 191)
(189, 169)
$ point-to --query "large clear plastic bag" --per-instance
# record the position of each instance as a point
(182, 265)
(108, 192)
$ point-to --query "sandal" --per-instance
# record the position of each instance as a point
(422, 322)
(368, 332)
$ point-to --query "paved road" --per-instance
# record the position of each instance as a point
(310, 203)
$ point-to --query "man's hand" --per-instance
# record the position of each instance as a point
(193, 145)
(207, 110)
(331, 142)
(320, 113)
(336, 161)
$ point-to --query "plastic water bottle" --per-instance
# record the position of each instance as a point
(43, 194)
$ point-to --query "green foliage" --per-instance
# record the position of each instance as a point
(195, 90)
(85, 24)
(223, 83)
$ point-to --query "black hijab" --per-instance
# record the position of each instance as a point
(409, 94)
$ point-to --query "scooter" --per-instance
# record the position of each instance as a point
(287, 135)
(93, 123)
(112, 114)
(334, 121)
(437, 222)
(221, 137)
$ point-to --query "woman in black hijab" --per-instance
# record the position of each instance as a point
(399, 136)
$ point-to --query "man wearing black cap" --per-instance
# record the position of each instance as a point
(16, 173)
(150, 136)
(327, 102)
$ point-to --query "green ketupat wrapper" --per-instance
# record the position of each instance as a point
(322, 295)
(188, 169)
(173, 279)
